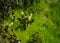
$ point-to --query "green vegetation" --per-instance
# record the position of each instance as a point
(45, 27)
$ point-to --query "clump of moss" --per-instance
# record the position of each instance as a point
(37, 38)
